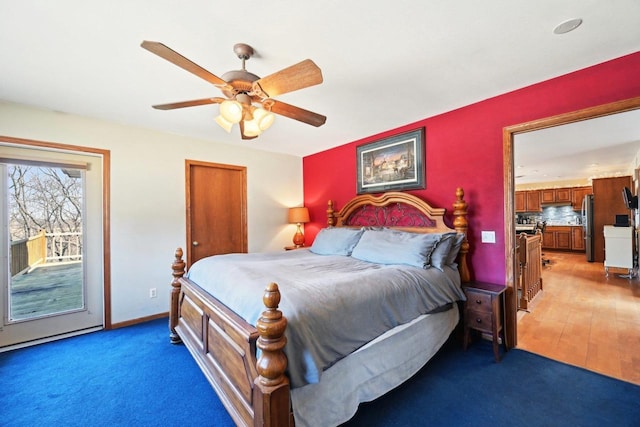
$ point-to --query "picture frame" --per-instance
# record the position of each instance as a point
(395, 163)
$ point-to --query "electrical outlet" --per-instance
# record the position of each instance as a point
(153, 293)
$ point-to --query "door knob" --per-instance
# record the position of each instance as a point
(195, 243)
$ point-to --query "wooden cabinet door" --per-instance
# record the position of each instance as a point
(548, 240)
(563, 195)
(521, 201)
(563, 239)
(548, 196)
(533, 201)
(577, 240)
(577, 196)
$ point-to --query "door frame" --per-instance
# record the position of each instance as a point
(106, 198)
(508, 133)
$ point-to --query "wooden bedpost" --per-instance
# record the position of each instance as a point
(330, 217)
(461, 225)
(271, 392)
(178, 271)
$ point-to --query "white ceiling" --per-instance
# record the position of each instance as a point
(597, 148)
(385, 63)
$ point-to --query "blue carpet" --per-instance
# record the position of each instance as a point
(129, 376)
(134, 377)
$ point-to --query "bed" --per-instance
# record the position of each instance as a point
(265, 359)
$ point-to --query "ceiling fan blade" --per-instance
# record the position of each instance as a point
(298, 76)
(242, 132)
(192, 103)
(297, 113)
(174, 57)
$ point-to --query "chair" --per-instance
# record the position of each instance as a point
(541, 226)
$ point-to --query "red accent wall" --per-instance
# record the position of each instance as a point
(473, 135)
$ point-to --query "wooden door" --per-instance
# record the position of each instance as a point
(607, 203)
(216, 209)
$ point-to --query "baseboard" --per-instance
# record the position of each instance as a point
(139, 320)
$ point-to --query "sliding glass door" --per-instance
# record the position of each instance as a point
(51, 244)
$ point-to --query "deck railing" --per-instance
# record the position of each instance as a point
(45, 248)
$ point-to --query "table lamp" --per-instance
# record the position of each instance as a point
(298, 216)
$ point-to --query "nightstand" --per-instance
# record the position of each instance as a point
(484, 312)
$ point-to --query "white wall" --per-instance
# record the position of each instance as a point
(148, 196)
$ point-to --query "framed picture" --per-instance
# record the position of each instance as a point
(395, 163)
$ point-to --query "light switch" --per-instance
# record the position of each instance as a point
(488, 237)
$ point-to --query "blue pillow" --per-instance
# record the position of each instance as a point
(455, 248)
(440, 253)
(336, 241)
(395, 247)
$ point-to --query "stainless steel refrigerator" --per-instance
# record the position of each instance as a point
(587, 224)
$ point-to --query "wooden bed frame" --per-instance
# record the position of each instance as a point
(255, 391)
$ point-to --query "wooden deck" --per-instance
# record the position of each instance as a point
(47, 289)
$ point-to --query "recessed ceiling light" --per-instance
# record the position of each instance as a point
(567, 26)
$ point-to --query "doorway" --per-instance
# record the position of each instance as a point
(216, 209)
(509, 190)
(53, 270)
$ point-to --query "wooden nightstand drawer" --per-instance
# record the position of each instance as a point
(479, 320)
(484, 312)
(478, 301)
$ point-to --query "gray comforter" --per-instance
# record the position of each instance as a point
(333, 304)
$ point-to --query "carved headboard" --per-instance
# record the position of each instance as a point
(406, 212)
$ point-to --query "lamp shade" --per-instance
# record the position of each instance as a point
(264, 118)
(298, 215)
(231, 111)
(251, 128)
(224, 124)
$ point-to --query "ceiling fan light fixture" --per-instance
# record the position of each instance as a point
(263, 118)
(252, 128)
(231, 111)
(224, 124)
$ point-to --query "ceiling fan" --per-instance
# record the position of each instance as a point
(248, 98)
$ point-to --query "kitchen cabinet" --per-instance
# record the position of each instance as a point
(577, 239)
(533, 201)
(577, 196)
(562, 237)
(520, 201)
(555, 195)
(527, 201)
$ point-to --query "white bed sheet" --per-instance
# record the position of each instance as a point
(372, 370)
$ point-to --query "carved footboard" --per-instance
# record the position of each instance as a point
(254, 392)
(530, 257)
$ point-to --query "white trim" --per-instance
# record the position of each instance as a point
(50, 339)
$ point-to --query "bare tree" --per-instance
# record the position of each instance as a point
(44, 199)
